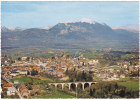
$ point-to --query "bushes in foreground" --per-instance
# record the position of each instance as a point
(108, 90)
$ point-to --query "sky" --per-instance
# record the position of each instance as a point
(42, 14)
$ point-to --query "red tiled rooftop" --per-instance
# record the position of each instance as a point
(8, 85)
(24, 92)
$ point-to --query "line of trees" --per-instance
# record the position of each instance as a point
(33, 72)
(78, 75)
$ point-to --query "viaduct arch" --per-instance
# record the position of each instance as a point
(70, 83)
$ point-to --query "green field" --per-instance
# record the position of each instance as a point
(92, 55)
(47, 94)
(37, 80)
(115, 67)
(22, 80)
(126, 79)
(132, 85)
(28, 79)
(57, 95)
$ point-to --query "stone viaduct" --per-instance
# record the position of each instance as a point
(70, 83)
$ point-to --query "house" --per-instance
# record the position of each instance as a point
(24, 94)
(5, 84)
(112, 78)
(7, 76)
(53, 68)
(24, 58)
(122, 76)
(60, 72)
(102, 75)
(23, 90)
(93, 62)
(23, 72)
(115, 76)
(64, 67)
(11, 91)
(14, 73)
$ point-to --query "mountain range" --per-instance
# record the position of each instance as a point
(81, 34)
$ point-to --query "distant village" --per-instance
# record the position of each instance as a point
(57, 66)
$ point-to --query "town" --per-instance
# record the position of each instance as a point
(22, 77)
(70, 50)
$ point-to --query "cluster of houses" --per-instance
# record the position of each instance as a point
(23, 90)
(10, 73)
(10, 89)
(16, 72)
(58, 65)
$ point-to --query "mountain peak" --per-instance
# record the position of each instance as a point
(86, 20)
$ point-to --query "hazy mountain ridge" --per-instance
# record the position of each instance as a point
(83, 34)
(130, 28)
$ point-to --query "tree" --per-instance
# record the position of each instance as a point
(19, 58)
(29, 87)
(12, 61)
(122, 93)
(2, 95)
(16, 95)
(5, 91)
(91, 92)
(67, 56)
(12, 96)
(53, 58)
(94, 90)
(83, 76)
(28, 73)
(24, 96)
(34, 72)
(28, 58)
(67, 71)
(78, 78)
(116, 86)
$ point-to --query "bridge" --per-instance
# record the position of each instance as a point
(70, 83)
